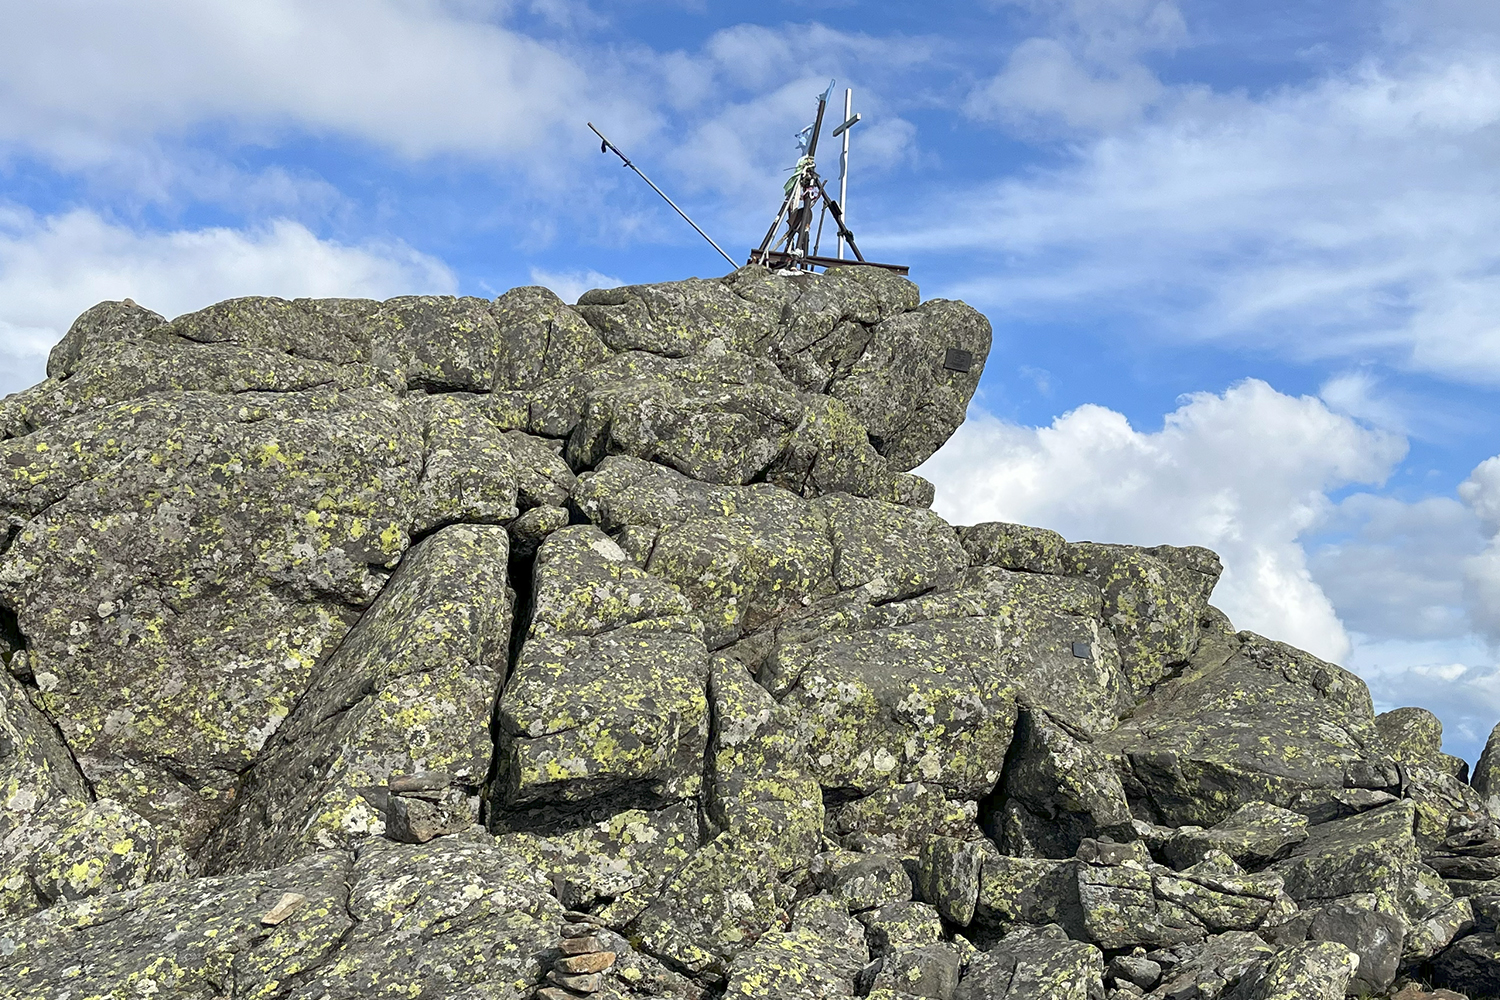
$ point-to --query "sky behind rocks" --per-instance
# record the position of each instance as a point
(1242, 260)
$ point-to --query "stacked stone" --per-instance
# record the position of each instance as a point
(579, 970)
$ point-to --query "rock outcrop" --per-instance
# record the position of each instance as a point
(471, 650)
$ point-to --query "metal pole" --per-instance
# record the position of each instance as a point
(606, 144)
(844, 166)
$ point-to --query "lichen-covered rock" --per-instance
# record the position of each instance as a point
(41, 792)
(259, 567)
(761, 786)
(1028, 891)
(396, 922)
(410, 689)
(1318, 971)
(1058, 791)
(608, 697)
(872, 881)
(1014, 546)
(930, 970)
(948, 876)
(901, 926)
(1152, 600)
(1375, 937)
(1252, 720)
(1471, 965)
(926, 689)
(901, 819)
(1254, 835)
(715, 906)
(1034, 963)
(103, 847)
(181, 565)
(1373, 852)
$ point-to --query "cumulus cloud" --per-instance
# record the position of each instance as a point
(53, 268)
(1246, 473)
(419, 77)
(1482, 493)
(1087, 72)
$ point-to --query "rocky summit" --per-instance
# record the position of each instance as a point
(451, 649)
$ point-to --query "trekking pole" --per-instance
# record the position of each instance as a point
(606, 146)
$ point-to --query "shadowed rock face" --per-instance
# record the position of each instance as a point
(449, 648)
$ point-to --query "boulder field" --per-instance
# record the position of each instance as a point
(451, 649)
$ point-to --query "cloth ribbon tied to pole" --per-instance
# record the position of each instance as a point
(803, 165)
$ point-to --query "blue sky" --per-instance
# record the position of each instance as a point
(1243, 261)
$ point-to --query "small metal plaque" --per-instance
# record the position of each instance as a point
(959, 360)
(1081, 650)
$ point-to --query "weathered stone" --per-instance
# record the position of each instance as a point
(609, 694)
(105, 324)
(185, 936)
(1034, 963)
(1212, 970)
(412, 820)
(900, 926)
(1254, 835)
(715, 906)
(925, 689)
(948, 876)
(930, 970)
(817, 957)
(1058, 791)
(1014, 546)
(872, 881)
(180, 567)
(1152, 600)
(1137, 969)
(410, 689)
(1265, 723)
(761, 787)
(900, 820)
(1414, 735)
(103, 847)
(1486, 777)
(1320, 971)
(1372, 852)
(1027, 891)
(544, 338)
(1377, 939)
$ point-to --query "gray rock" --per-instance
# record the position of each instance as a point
(1014, 546)
(930, 970)
(1265, 723)
(1314, 971)
(900, 926)
(1058, 791)
(338, 943)
(948, 876)
(1470, 965)
(1152, 600)
(1136, 969)
(1377, 939)
(872, 881)
(1254, 835)
(1486, 777)
(1034, 963)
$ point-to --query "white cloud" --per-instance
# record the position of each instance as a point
(1351, 217)
(1456, 679)
(1394, 569)
(1087, 72)
(1246, 473)
(51, 269)
(420, 77)
(1482, 493)
(570, 284)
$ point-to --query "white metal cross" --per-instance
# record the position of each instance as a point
(850, 120)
